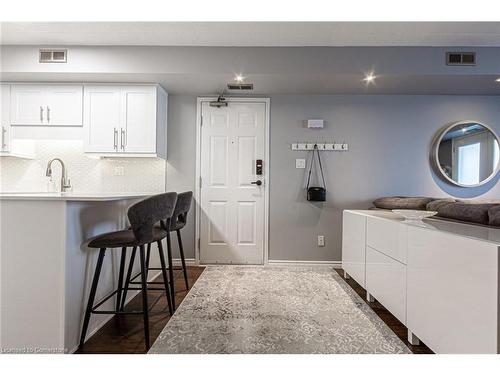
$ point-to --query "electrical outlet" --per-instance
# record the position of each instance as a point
(300, 163)
(321, 241)
(119, 171)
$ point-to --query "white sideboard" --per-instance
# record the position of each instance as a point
(439, 278)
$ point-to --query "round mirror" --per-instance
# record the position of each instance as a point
(467, 153)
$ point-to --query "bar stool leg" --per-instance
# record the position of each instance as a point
(144, 283)
(129, 275)
(120, 278)
(148, 256)
(170, 270)
(183, 260)
(93, 290)
(165, 279)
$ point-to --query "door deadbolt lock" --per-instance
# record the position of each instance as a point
(258, 167)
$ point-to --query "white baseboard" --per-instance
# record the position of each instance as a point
(334, 264)
(189, 262)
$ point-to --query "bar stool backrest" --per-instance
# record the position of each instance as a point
(145, 214)
(182, 207)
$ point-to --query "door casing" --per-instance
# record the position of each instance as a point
(199, 102)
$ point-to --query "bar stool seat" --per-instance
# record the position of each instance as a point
(124, 238)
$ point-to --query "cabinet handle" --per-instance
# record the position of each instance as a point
(48, 114)
(41, 114)
(115, 138)
(3, 137)
(123, 138)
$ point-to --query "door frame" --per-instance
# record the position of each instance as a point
(199, 102)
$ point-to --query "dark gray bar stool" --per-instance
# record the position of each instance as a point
(178, 221)
(143, 217)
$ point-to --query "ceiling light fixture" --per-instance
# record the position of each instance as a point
(497, 80)
(369, 78)
(239, 78)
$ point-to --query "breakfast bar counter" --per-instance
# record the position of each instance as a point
(46, 268)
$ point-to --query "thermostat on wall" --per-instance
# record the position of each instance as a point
(315, 123)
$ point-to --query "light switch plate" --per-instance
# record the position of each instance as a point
(321, 241)
(300, 163)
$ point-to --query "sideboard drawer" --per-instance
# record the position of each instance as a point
(386, 281)
(388, 237)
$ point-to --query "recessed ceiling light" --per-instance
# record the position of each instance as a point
(369, 78)
(239, 78)
(497, 80)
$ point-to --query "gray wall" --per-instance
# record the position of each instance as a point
(389, 139)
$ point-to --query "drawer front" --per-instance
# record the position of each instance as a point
(388, 237)
(453, 292)
(353, 246)
(386, 281)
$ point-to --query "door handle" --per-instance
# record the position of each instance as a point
(3, 137)
(41, 114)
(48, 114)
(258, 182)
(115, 138)
(122, 138)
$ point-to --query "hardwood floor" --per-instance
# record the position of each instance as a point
(394, 324)
(124, 334)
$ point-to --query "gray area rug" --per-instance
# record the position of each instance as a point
(273, 309)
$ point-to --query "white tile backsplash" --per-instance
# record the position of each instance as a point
(87, 174)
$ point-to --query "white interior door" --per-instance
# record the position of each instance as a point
(232, 220)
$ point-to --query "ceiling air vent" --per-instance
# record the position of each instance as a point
(460, 58)
(53, 55)
(240, 86)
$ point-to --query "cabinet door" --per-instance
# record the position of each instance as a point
(5, 118)
(138, 133)
(64, 105)
(386, 281)
(28, 105)
(354, 246)
(453, 292)
(101, 118)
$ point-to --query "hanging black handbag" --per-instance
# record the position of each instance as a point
(316, 193)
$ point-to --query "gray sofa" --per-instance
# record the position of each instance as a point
(463, 211)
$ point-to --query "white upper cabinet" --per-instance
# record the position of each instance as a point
(101, 118)
(46, 104)
(138, 133)
(9, 146)
(5, 118)
(64, 105)
(125, 120)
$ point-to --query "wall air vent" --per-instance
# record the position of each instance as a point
(53, 55)
(240, 86)
(460, 58)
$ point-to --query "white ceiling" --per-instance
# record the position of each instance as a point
(253, 33)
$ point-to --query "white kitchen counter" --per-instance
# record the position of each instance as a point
(46, 269)
(72, 196)
(475, 232)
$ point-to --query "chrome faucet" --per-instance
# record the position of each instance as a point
(65, 182)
